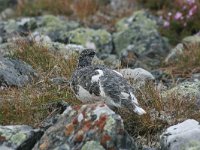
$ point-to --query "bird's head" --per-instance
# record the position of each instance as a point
(86, 57)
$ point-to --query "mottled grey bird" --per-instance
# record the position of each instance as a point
(92, 83)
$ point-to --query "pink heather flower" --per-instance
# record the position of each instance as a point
(192, 11)
(166, 24)
(178, 16)
(184, 7)
(190, 2)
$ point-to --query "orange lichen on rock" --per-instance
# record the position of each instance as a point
(101, 122)
(79, 136)
(44, 145)
(69, 129)
(105, 138)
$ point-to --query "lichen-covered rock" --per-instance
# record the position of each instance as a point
(138, 75)
(112, 61)
(7, 48)
(54, 26)
(139, 18)
(14, 72)
(174, 53)
(100, 40)
(86, 127)
(139, 34)
(183, 136)
(92, 145)
(185, 90)
(18, 137)
(195, 39)
(179, 49)
(7, 13)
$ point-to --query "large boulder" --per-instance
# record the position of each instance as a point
(18, 137)
(183, 136)
(138, 34)
(92, 126)
(15, 72)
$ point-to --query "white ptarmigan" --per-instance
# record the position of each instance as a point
(92, 83)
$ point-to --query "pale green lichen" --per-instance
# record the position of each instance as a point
(83, 35)
(99, 39)
(191, 145)
(139, 18)
(6, 133)
(188, 90)
(110, 123)
(18, 138)
(91, 145)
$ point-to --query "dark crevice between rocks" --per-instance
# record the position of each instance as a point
(30, 142)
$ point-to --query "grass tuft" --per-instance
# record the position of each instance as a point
(32, 103)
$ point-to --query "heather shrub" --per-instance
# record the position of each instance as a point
(180, 17)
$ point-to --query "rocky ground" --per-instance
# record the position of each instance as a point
(38, 110)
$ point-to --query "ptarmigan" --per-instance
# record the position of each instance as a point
(92, 83)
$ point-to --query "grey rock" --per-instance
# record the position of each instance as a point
(138, 76)
(183, 136)
(14, 72)
(83, 127)
(139, 34)
(173, 55)
(18, 137)
(8, 12)
(41, 39)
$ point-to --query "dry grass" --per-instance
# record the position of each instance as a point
(187, 64)
(88, 12)
(161, 113)
(29, 8)
(32, 103)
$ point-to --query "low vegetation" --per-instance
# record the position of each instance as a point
(88, 12)
(187, 63)
(32, 103)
